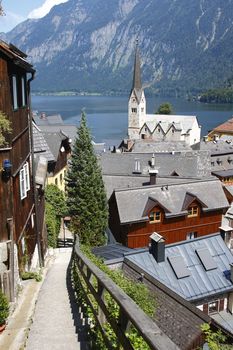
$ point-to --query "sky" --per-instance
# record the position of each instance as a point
(17, 11)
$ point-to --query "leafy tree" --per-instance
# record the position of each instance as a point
(55, 209)
(4, 128)
(215, 340)
(56, 198)
(164, 108)
(86, 200)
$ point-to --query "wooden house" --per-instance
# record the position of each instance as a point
(17, 197)
(177, 211)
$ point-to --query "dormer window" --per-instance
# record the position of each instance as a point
(155, 216)
(192, 211)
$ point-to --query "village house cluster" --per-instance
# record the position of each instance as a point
(170, 196)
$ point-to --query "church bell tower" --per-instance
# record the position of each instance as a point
(137, 101)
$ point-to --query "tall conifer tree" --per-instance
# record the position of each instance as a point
(87, 202)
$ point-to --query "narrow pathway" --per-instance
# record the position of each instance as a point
(56, 323)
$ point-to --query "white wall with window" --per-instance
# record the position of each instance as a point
(24, 179)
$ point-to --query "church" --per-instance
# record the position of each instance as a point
(157, 127)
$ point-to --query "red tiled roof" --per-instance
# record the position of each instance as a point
(227, 126)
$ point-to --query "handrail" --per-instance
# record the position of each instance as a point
(130, 312)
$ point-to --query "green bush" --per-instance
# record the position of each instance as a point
(137, 291)
(27, 275)
(4, 308)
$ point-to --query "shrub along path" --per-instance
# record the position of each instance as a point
(56, 322)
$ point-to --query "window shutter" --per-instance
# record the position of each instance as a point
(23, 193)
(15, 97)
(27, 177)
(23, 91)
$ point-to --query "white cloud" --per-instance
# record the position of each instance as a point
(9, 21)
(45, 8)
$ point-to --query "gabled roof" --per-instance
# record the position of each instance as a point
(189, 199)
(54, 141)
(180, 122)
(201, 282)
(131, 203)
(41, 147)
(151, 203)
(17, 56)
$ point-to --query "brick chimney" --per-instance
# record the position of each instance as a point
(157, 248)
(153, 175)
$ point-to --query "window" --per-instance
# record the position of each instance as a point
(23, 91)
(134, 110)
(24, 179)
(213, 307)
(15, 93)
(155, 216)
(158, 129)
(142, 109)
(61, 178)
(27, 178)
(191, 235)
(56, 181)
(192, 211)
(173, 131)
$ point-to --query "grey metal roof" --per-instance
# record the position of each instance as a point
(40, 145)
(185, 164)
(131, 203)
(200, 283)
(111, 251)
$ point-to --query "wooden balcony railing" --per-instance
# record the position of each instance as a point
(96, 285)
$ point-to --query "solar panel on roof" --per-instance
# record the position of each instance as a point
(206, 259)
(179, 267)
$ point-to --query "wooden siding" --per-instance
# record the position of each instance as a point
(6, 201)
(11, 204)
(175, 229)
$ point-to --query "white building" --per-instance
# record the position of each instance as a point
(157, 127)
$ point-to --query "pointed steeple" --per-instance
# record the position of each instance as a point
(137, 70)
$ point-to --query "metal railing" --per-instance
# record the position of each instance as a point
(97, 284)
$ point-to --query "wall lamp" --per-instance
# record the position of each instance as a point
(6, 168)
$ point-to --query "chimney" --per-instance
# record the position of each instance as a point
(153, 161)
(153, 175)
(157, 248)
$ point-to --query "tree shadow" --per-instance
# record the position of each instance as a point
(80, 323)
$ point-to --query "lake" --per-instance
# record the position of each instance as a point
(107, 115)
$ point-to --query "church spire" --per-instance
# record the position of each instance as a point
(137, 70)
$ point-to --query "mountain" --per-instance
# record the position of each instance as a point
(89, 45)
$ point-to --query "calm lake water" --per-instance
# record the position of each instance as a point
(107, 116)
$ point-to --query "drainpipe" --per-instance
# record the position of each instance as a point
(38, 233)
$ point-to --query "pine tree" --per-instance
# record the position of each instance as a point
(87, 202)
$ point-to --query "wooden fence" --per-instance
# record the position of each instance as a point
(97, 284)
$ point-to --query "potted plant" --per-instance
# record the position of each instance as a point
(4, 310)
